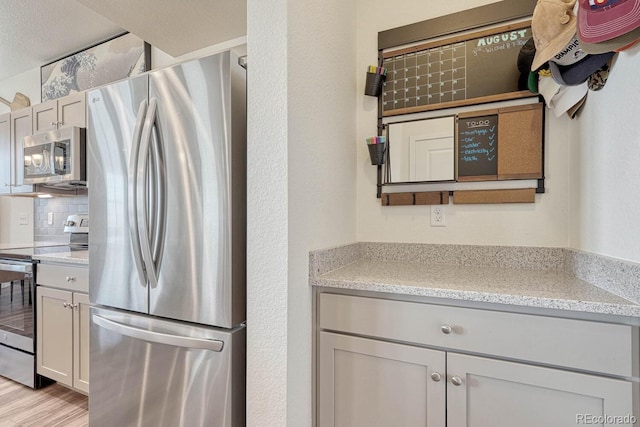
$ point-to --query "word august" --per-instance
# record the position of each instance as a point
(504, 37)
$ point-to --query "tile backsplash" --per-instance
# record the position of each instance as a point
(60, 207)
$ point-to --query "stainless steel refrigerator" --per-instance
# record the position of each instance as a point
(166, 165)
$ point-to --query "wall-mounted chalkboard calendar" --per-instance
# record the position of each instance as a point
(461, 70)
(478, 148)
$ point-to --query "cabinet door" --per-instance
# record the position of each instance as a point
(72, 110)
(81, 341)
(21, 126)
(496, 393)
(55, 338)
(45, 116)
(363, 382)
(5, 153)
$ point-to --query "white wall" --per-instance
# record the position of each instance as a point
(604, 213)
(27, 83)
(544, 223)
(301, 187)
(11, 231)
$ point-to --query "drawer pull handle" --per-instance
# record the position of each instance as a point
(457, 381)
(436, 376)
(446, 329)
(71, 279)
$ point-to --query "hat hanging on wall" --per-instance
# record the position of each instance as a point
(578, 72)
(553, 26)
(20, 100)
(608, 25)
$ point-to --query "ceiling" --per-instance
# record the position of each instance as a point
(36, 32)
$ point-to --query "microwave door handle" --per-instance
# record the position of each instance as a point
(132, 194)
(142, 179)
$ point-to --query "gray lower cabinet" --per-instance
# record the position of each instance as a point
(488, 392)
(434, 374)
(372, 383)
(62, 351)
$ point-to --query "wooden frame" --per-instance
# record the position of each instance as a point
(120, 57)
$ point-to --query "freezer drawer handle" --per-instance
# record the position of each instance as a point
(158, 337)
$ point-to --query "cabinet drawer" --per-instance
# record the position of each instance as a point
(579, 344)
(63, 276)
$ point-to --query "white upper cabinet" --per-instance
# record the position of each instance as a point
(58, 113)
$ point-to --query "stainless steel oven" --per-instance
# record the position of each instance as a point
(17, 325)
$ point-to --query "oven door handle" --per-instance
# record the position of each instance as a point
(20, 268)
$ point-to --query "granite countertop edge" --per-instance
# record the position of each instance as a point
(349, 267)
(72, 258)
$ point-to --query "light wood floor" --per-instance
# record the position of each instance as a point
(53, 405)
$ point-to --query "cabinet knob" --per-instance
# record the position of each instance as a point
(74, 305)
(65, 304)
(456, 380)
(436, 376)
(446, 329)
(71, 279)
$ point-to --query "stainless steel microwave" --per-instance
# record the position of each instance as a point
(55, 157)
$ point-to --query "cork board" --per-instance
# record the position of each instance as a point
(504, 143)
(520, 147)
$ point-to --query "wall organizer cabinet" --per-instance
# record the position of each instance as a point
(62, 352)
(441, 67)
(387, 362)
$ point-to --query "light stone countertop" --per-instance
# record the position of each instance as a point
(549, 287)
(67, 257)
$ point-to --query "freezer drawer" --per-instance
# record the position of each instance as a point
(147, 371)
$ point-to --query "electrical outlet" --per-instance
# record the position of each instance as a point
(438, 216)
(23, 219)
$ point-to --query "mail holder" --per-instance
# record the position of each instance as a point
(374, 83)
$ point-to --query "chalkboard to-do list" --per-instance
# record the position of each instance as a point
(478, 148)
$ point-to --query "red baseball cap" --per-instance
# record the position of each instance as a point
(607, 25)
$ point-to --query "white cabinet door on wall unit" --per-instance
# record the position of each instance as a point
(5, 153)
(59, 113)
(430, 158)
(373, 383)
(422, 150)
(21, 126)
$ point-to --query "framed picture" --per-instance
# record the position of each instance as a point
(123, 56)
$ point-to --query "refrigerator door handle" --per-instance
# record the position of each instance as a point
(159, 200)
(158, 337)
(141, 193)
(132, 194)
